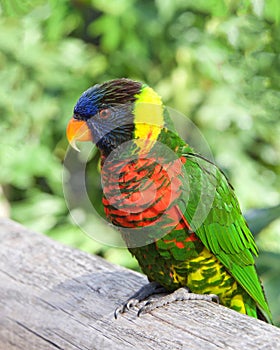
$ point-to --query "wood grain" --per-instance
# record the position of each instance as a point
(55, 297)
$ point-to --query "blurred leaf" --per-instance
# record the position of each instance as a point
(39, 211)
(269, 268)
(121, 256)
(17, 7)
(258, 219)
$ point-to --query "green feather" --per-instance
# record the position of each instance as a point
(224, 231)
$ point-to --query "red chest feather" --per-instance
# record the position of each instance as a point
(138, 192)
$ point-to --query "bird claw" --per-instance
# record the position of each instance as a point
(119, 310)
(214, 298)
(129, 304)
(143, 293)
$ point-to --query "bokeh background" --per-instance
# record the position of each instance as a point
(216, 61)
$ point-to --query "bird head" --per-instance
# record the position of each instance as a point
(114, 112)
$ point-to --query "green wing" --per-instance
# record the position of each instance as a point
(214, 214)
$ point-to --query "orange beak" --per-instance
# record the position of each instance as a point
(77, 130)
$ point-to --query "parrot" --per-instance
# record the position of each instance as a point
(175, 210)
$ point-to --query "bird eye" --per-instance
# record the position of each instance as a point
(104, 113)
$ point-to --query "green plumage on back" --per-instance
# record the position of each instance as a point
(225, 233)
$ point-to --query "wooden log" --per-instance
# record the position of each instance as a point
(55, 297)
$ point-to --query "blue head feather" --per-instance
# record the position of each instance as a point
(88, 103)
(110, 93)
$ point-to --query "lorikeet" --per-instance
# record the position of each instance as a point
(176, 211)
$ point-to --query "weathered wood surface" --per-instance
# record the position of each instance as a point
(54, 297)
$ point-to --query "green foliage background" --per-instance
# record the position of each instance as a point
(216, 61)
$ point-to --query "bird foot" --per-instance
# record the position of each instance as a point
(143, 293)
(180, 294)
(153, 288)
